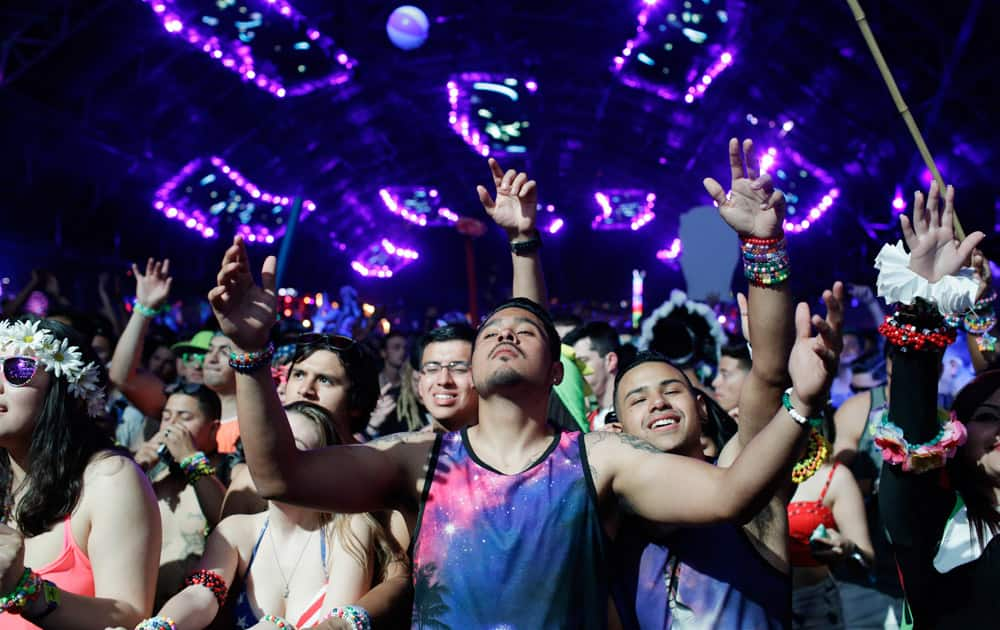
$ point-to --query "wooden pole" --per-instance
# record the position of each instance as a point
(897, 98)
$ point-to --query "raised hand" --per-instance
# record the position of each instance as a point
(930, 236)
(516, 206)
(753, 207)
(153, 288)
(814, 359)
(245, 311)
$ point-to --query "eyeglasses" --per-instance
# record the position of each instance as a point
(460, 368)
(18, 370)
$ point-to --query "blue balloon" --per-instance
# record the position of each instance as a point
(407, 27)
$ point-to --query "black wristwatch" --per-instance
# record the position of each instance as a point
(522, 248)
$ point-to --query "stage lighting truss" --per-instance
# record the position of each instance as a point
(623, 209)
(267, 42)
(492, 112)
(383, 259)
(679, 47)
(209, 197)
(418, 205)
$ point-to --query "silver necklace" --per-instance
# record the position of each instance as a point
(277, 561)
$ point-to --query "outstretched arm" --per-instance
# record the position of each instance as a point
(754, 209)
(144, 390)
(515, 210)
(700, 493)
(347, 479)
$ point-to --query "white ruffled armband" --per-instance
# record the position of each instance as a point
(898, 283)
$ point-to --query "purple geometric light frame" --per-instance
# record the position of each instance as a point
(460, 109)
(605, 220)
(698, 82)
(235, 55)
(770, 159)
(672, 253)
(394, 200)
(383, 259)
(174, 205)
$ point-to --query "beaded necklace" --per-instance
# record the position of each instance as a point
(816, 453)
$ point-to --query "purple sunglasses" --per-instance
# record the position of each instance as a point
(18, 370)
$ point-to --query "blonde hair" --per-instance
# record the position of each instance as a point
(408, 406)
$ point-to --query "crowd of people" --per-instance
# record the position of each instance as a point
(522, 471)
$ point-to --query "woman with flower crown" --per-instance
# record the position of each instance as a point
(80, 531)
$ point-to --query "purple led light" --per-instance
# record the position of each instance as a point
(186, 198)
(898, 203)
(235, 55)
(556, 225)
(772, 158)
(417, 205)
(623, 209)
(711, 24)
(383, 259)
(672, 253)
(461, 112)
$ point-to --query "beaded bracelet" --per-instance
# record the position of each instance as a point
(251, 361)
(212, 581)
(52, 596)
(919, 458)
(196, 466)
(786, 401)
(28, 588)
(357, 616)
(146, 311)
(765, 261)
(979, 323)
(986, 343)
(278, 621)
(908, 337)
(157, 623)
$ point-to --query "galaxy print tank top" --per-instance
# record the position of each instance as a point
(513, 552)
(702, 578)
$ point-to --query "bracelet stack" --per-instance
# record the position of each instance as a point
(146, 311)
(196, 466)
(815, 457)
(251, 361)
(278, 621)
(29, 588)
(157, 623)
(978, 322)
(765, 261)
(357, 616)
(212, 581)
(919, 458)
(909, 337)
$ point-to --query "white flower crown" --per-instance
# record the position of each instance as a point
(679, 299)
(29, 339)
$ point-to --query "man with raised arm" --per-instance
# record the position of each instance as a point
(509, 517)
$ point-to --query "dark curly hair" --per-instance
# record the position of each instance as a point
(63, 442)
(360, 366)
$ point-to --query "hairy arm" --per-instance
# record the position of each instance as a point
(343, 479)
(142, 389)
(672, 489)
(196, 606)
(123, 547)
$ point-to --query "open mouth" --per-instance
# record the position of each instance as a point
(664, 423)
(445, 399)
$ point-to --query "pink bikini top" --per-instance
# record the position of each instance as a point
(70, 571)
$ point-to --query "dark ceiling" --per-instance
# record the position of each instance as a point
(99, 106)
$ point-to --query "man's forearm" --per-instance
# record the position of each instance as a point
(529, 281)
(128, 351)
(771, 334)
(267, 437)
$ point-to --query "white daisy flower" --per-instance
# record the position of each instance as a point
(62, 359)
(84, 382)
(29, 336)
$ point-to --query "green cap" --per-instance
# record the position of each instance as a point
(199, 344)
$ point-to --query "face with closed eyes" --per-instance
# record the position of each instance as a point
(654, 402)
(512, 351)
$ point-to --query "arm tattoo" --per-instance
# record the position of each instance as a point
(637, 444)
